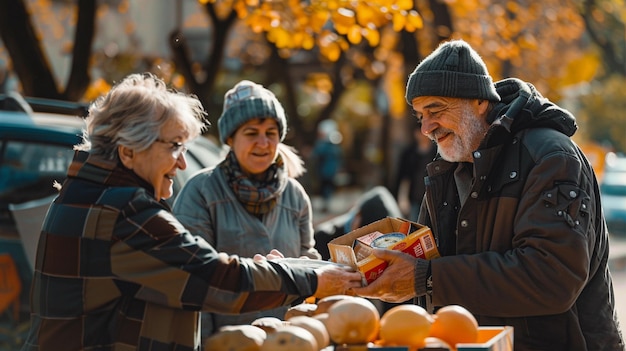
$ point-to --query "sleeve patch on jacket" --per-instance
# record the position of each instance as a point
(569, 202)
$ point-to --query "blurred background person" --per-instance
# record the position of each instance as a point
(409, 185)
(373, 205)
(115, 269)
(327, 158)
(250, 202)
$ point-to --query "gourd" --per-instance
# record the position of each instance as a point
(236, 338)
(268, 324)
(353, 321)
(315, 327)
(324, 304)
(290, 338)
(303, 309)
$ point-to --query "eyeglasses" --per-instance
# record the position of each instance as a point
(176, 147)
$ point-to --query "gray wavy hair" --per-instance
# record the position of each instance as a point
(132, 113)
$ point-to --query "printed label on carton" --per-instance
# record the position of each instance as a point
(350, 248)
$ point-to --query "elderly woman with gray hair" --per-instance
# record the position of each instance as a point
(115, 269)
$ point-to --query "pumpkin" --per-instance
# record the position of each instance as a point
(236, 338)
(315, 327)
(303, 309)
(353, 321)
(269, 324)
(324, 303)
(290, 338)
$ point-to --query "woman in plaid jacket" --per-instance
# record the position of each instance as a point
(115, 269)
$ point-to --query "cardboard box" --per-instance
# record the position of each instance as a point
(419, 242)
(489, 339)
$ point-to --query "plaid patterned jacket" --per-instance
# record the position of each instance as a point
(115, 270)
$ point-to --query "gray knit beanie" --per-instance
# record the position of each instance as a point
(248, 100)
(453, 70)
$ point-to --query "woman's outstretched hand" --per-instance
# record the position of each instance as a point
(274, 254)
(336, 280)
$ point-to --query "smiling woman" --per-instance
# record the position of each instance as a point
(250, 202)
(159, 162)
(112, 259)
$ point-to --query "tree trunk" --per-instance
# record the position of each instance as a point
(28, 59)
(80, 78)
(203, 86)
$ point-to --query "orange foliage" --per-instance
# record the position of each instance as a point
(539, 41)
(293, 25)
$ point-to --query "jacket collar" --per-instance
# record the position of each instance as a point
(523, 107)
(96, 169)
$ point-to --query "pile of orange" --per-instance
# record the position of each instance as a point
(413, 326)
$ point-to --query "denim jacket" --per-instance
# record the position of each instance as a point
(208, 207)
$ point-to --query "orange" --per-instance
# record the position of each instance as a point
(454, 324)
(405, 325)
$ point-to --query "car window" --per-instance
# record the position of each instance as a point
(28, 170)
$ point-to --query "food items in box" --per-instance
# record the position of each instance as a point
(387, 240)
(353, 248)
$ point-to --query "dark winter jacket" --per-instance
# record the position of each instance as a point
(529, 247)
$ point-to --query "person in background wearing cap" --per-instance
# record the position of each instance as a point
(251, 202)
(115, 270)
(515, 209)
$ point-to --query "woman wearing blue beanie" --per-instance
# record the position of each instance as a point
(251, 202)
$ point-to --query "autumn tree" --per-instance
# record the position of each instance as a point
(539, 42)
(603, 102)
(329, 28)
(28, 59)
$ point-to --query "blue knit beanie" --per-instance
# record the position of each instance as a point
(248, 100)
(454, 69)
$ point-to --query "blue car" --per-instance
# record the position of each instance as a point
(35, 150)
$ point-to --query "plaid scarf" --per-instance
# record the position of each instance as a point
(258, 195)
